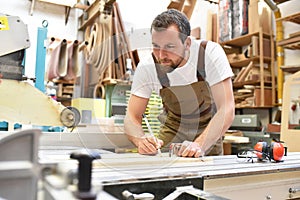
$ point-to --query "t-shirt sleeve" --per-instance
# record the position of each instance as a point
(142, 85)
(217, 67)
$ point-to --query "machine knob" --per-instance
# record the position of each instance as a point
(85, 160)
(268, 197)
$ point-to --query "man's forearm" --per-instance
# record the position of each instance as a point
(216, 128)
(133, 130)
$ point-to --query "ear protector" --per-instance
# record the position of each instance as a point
(275, 151)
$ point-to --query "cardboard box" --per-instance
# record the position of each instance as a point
(273, 128)
(267, 99)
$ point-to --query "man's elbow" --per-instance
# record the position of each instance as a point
(230, 114)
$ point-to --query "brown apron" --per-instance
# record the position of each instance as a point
(187, 109)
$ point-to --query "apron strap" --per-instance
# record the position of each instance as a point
(162, 76)
(201, 61)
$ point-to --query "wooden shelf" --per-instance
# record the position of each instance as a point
(245, 62)
(292, 42)
(254, 107)
(290, 69)
(243, 40)
(256, 83)
(244, 68)
(64, 91)
(185, 6)
(68, 4)
(295, 18)
(280, 1)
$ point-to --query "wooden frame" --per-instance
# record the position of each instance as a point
(290, 136)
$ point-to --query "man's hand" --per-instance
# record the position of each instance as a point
(190, 149)
(148, 145)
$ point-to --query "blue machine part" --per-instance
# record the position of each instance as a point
(4, 126)
(41, 58)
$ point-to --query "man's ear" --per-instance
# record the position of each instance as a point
(187, 42)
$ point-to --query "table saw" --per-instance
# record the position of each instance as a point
(222, 177)
(132, 176)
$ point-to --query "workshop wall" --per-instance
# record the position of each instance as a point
(137, 16)
(54, 14)
(293, 6)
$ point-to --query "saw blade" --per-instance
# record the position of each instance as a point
(70, 117)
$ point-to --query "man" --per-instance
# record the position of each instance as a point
(195, 86)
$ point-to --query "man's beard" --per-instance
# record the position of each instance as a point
(169, 68)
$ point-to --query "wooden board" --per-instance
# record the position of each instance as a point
(135, 159)
(290, 136)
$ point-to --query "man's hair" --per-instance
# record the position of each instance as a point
(172, 17)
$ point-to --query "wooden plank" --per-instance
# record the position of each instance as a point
(291, 18)
(243, 40)
(135, 159)
(126, 40)
(291, 68)
(243, 73)
(176, 4)
(93, 11)
(290, 43)
(294, 34)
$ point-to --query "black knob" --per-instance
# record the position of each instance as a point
(85, 160)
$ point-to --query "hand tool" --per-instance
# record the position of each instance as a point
(151, 133)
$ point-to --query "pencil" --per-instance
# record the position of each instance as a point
(151, 132)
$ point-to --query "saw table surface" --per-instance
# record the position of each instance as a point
(114, 166)
(227, 176)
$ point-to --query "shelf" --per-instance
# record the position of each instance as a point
(280, 1)
(245, 62)
(292, 43)
(243, 40)
(68, 4)
(241, 84)
(185, 6)
(263, 96)
(254, 107)
(57, 81)
(291, 18)
(290, 69)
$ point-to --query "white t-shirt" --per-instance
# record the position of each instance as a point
(217, 68)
